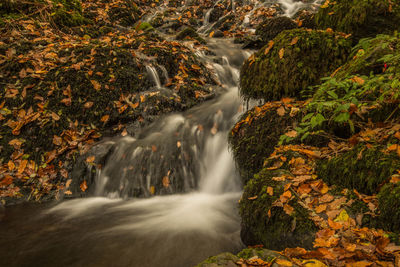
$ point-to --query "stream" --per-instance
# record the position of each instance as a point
(186, 225)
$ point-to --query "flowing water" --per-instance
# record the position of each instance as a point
(196, 218)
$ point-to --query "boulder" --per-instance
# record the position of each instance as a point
(293, 61)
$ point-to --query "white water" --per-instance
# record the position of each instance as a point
(152, 72)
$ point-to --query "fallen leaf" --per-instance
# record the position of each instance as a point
(90, 159)
(83, 186)
(270, 191)
(105, 118)
(281, 53)
(96, 85)
(294, 41)
(281, 111)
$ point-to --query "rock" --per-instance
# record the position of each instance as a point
(230, 260)
(271, 27)
(364, 169)
(256, 134)
(389, 206)
(293, 61)
(268, 224)
(360, 18)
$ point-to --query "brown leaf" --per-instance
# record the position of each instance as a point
(270, 45)
(11, 165)
(358, 80)
(252, 198)
(57, 140)
(320, 208)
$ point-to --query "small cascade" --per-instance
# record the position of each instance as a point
(152, 72)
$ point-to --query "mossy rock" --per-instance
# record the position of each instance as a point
(189, 33)
(278, 230)
(372, 56)
(271, 27)
(361, 18)
(295, 60)
(389, 206)
(228, 259)
(362, 168)
(62, 13)
(126, 13)
(253, 141)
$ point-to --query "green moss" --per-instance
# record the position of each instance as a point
(254, 141)
(389, 206)
(291, 66)
(364, 169)
(271, 27)
(362, 18)
(223, 259)
(280, 230)
(145, 26)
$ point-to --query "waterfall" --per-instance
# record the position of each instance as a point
(152, 72)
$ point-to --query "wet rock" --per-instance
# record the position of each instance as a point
(360, 18)
(256, 134)
(293, 61)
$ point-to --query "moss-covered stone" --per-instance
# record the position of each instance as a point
(271, 27)
(372, 56)
(190, 33)
(294, 60)
(389, 206)
(364, 169)
(256, 134)
(268, 224)
(359, 17)
(228, 259)
(125, 13)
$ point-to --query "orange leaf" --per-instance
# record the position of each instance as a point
(88, 104)
(211, 34)
(320, 208)
(334, 225)
(358, 80)
(90, 159)
(22, 166)
(105, 118)
(11, 165)
(270, 191)
(292, 134)
(270, 45)
(252, 198)
(288, 209)
(96, 85)
(281, 53)
(165, 181)
(281, 111)
(294, 41)
(83, 186)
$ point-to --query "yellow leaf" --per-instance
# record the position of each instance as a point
(152, 190)
(342, 217)
(166, 181)
(313, 263)
(281, 53)
(283, 262)
(211, 34)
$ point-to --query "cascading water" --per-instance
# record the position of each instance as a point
(197, 215)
